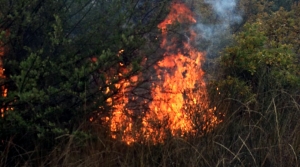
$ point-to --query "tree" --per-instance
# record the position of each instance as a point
(262, 61)
(62, 58)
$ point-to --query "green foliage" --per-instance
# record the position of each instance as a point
(282, 27)
(258, 92)
(258, 63)
(287, 4)
(62, 56)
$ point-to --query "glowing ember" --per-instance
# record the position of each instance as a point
(3, 89)
(179, 99)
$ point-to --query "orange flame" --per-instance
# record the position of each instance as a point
(178, 94)
(2, 76)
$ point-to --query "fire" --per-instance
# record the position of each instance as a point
(179, 97)
(2, 75)
(180, 86)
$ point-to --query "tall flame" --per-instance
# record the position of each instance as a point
(179, 97)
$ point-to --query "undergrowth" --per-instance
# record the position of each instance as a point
(249, 135)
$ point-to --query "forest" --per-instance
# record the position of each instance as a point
(142, 83)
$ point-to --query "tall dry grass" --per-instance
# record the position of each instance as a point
(251, 134)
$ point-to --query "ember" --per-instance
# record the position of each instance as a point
(3, 89)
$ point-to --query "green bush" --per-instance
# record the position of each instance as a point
(256, 66)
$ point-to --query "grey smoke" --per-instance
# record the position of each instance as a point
(226, 10)
(216, 32)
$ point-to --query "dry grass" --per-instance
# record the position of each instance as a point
(250, 135)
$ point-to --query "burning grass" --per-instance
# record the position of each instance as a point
(246, 137)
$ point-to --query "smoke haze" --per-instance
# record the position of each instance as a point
(214, 26)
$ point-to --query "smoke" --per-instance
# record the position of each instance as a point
(215, 28)
(226, 10)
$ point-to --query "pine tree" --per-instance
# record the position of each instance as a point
(62, 57)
